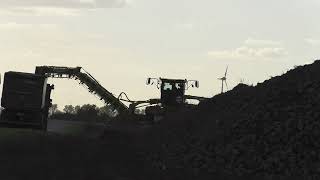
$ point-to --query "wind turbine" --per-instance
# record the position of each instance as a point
(224, 80)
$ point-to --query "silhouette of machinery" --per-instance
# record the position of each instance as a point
(172, 91)
(26, 96)
(172, 97)
(86, 79)
(26, 100)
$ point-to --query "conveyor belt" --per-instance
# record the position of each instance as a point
(85, 78)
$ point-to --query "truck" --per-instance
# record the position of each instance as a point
(25, 100)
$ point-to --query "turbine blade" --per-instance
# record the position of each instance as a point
(225, 74)
(226, 85)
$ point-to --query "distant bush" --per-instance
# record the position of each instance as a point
(87, 112)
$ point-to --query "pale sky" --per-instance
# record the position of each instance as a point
(122, 42)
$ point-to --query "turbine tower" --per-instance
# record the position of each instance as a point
(224, 80)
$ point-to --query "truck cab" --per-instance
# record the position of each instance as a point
(172, 92)
(172, 96)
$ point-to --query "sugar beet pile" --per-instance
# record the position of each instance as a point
(271, 130)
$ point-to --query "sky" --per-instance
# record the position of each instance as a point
(123, 42)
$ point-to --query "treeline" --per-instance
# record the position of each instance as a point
(87, 112)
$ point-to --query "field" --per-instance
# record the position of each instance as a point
(268, 131)
(26, 154)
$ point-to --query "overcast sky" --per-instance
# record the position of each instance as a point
(122, 42)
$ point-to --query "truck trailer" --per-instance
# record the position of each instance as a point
(25, 100)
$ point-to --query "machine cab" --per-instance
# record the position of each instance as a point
(172, 92)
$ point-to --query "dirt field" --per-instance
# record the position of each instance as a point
(26, 154)
(75, 128)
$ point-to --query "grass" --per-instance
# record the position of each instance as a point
(12, 134)
(75, 128)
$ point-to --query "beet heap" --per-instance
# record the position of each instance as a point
(268, 131)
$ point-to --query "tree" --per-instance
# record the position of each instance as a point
(69, 109)
(77, 109)
(88, 112)
(105, 111)
(53, 109)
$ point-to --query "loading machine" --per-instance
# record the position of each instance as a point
(172, 93)
(172, 97)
